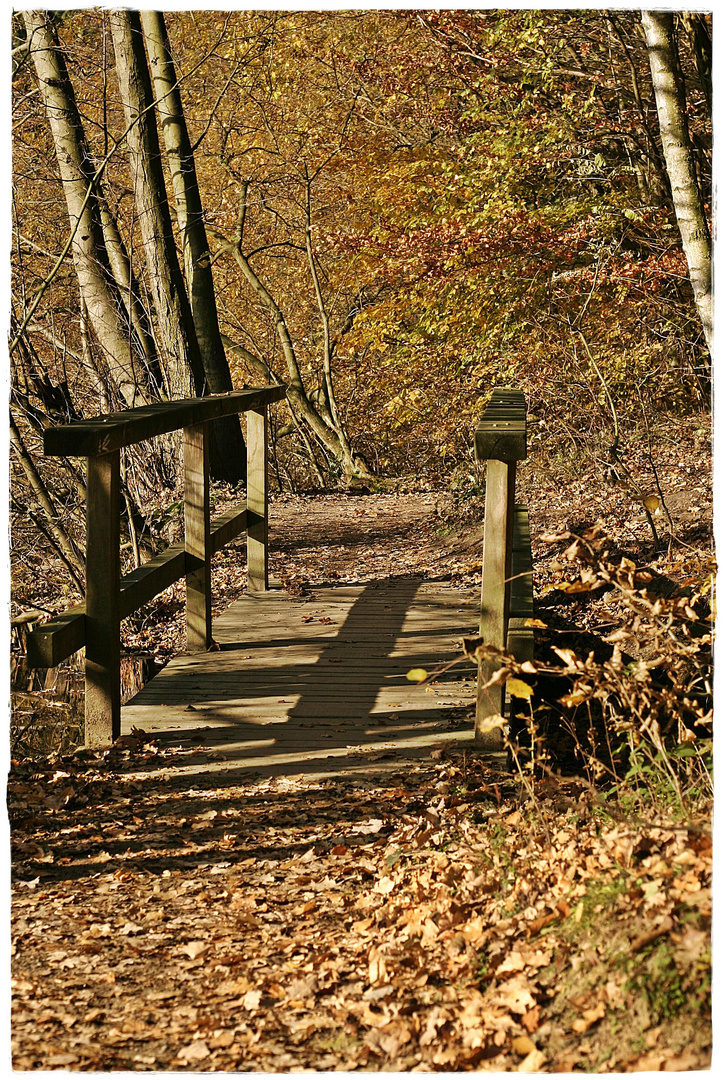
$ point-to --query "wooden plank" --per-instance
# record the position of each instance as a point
(141, 585)
(226, 528)
(520, 637)
(502, 431)
(281, 693)
(57, 639)
(102, 617)
(196, 508)
(494, 611)
(521, 592)
(54, 641)
(102, 434)
(257, 501)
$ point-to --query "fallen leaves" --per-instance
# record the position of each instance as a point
(393, 928)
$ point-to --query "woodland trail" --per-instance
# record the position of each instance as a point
(432, 915)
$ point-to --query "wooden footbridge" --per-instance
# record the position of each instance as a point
(280, 683)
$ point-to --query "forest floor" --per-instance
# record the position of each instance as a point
(449, 916)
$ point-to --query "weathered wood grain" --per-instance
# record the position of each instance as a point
(56, 640)
(292, 695)
(506, 602)
(102, 616)
(101, 434)
(257, 501)
(495, 603)
(197, 523)
(502, 432)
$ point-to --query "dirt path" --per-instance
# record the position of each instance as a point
(430, 919)
(443, 917)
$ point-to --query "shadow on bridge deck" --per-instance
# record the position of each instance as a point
(317, 684)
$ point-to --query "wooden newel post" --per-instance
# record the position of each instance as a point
(257, 500)
(198, 534)
(501, 441)
(102, 635)
(495, 604)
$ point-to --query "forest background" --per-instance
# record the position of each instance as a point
(391, 212)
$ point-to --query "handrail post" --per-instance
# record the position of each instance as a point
(102, 650)
(495, 606)
(501, 441)
(257, 504)
(197, 518)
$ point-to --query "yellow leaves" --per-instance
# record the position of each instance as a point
(519, 689)
(491, 723)
(417, 675)
(405, 406)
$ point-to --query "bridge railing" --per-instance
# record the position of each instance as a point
(506, 604)
(109, 598)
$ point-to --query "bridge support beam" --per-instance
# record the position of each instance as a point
(495, 605)
(257, 527)
(197, 521)
(102, 614)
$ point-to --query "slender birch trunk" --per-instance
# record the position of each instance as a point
(106, 313)
(174, 323)
(228, 455)
(689, 210)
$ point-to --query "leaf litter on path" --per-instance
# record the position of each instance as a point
(423, 920)
(432, 919)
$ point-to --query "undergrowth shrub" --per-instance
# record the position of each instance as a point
(646, 709)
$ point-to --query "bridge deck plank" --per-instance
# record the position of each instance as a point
(288, 692)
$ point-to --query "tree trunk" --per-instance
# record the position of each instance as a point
(137, 315)
(211, 370)
(296, 393)
(670, 100)
(99, 290)
(61, 537)
(174, 325)
(702, 48)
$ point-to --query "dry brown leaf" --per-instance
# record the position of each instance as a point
(251, 999)
(377, 967)
(196, 1051)
(195, 948)
(515, 995)
(514, 961)
(647, 936)
(531, 1019)
(523, 1045)
(533, 1062)
(589, 1017)
(220, 1040)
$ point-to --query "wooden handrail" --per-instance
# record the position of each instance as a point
(101, 434)
(506, 602)
(95, 624)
